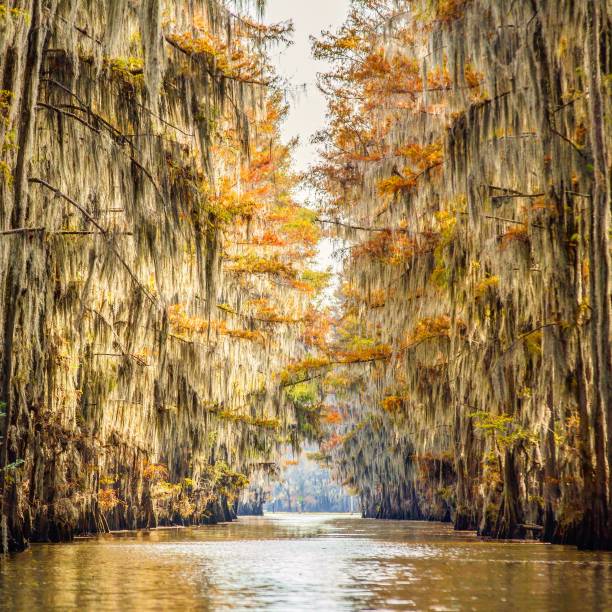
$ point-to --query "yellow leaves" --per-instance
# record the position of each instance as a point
(306, 369)
(381, 74)
(442, 11)
(253, 264)
(505, 429)
(303, 367)
(392, 403)
(379, 352)
(5, 173)
(183, 325)
(258, 422)
(230, 203)
(312, 281)
(242, 334)
(130, 70)
(572, 424)
(265, 311)
(186, 326)
(107, 499)
(429, 328)
(301, 227)
(226, 308)
(236, 62)
(290, 225)
(241, 56)
(350, 40)
(262, 163)
(131, 65)
(482, 287)
(6, 97)
(155, 472)
(229, 482)
(13, 13)
(395, 184)
(533, 343)
(450, 10)
(447, 222)
(204, 43)
(422, 156)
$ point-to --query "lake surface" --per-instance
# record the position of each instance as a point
(305, 562)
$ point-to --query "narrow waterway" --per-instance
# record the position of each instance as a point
(305, 562)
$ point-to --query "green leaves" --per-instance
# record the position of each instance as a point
(14, 465)
(505, 429)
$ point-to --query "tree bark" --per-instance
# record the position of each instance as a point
(599, 260)
(13, 289)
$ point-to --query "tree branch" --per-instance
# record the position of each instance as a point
(103, 231)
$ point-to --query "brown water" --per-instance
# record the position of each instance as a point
(305, 562)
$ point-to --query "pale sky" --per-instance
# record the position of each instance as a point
(307, 114)
(297, 65)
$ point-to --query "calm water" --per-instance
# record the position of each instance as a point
(305, 562)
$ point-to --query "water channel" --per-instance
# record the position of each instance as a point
(305, 562)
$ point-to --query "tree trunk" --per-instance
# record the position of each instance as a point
(599, 276)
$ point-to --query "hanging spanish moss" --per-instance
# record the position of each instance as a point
(151, 264)
(164, 340)
(461, 168)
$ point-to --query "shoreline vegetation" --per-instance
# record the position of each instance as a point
(167, 336)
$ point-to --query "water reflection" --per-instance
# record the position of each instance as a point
(305, 562)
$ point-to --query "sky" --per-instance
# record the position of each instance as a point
(307, 108)
(296, 64)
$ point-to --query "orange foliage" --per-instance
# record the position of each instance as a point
(317, 328)
(422, 156)
(332, 417)
(304, 366)
(253, 264)
(377, 298)
(107, 499)
(380, 352)
(448, 11)
(377, 75)
(239, 59)
(397, 184)
(392, 403)
(155, 472)
(184, 325)
(396, 247)
(516, 233)
(428, 328)
(332, 442)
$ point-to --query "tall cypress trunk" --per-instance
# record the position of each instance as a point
(551, 485)
(511, 516)
(599, 271)
(14, 289)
